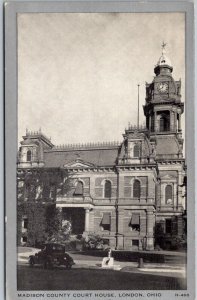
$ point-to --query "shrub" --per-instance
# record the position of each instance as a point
(94, 241)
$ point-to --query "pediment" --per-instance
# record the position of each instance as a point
(167, 176)
(78, 163)
(136, 135)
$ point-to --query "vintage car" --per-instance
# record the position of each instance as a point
(53, 254)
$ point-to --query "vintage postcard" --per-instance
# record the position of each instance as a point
(99, 118)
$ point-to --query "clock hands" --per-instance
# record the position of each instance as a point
(162, 87)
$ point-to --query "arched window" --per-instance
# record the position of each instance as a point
(136, 189)
(107, 189)
(164, 123)
(136, 151)
(168, 194)
(79, 189)
(29, 155)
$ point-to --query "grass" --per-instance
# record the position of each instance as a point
(93, 279)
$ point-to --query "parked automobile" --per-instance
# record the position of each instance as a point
(52, 255)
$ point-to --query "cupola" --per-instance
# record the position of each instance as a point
(164, 65)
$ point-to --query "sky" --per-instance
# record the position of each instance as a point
(78, 72)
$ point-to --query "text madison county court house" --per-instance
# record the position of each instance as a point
(133, 193)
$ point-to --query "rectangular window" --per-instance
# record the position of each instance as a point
(24, 239)
(106, 221)
(135, 243)
(25, 223)
(135, 222)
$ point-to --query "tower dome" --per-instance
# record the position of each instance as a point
(164, 60)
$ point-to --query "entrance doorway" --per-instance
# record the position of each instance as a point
(76, 216)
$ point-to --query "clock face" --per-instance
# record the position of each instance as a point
(162, 87)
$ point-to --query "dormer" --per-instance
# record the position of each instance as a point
(136, 148)
(32, 148)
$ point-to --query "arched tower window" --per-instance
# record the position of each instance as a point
(136, 189)
(79, 189)
(136, 151)
(168, 194)
(164, 122)
(107, 189)
(29, 155)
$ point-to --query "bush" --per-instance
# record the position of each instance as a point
(178, 243)
(129, 255)
(93, 241)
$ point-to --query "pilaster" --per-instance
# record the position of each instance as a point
(150, 233)
(120, 237)
(87, 219)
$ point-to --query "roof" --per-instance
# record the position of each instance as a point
(28, 142)
(95, 156)
(164, 60)
(165, 147)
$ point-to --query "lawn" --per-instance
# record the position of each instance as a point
(93, 279)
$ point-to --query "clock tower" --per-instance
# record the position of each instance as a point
(163, 109)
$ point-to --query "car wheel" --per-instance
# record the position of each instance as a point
(47, 265)
(68, 266)
(31, 262)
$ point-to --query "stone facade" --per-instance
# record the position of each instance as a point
(131, 193)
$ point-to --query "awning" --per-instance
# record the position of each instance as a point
(135, 219)
(106, 219)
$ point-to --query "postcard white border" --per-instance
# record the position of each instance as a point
(11, 9)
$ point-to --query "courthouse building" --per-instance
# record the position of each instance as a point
(131, 193)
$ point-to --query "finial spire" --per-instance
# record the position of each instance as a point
(163, 47)
(163, 61)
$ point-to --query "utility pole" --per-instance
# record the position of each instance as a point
(138, 108)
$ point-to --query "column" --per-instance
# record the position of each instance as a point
(150, 189)
(120, 186)
(180, 225)
(180, 190)
(171, 120)
(179, 123)
(60, 213)
(155, 121)
(142, 231)
(120, 237)
(175, 121)
(158, 195)
(149, 120)
(149, 236)
(175, 202)
(87, 219)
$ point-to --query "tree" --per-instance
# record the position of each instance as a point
(61, 235)
(36, 233)
(37, 192)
